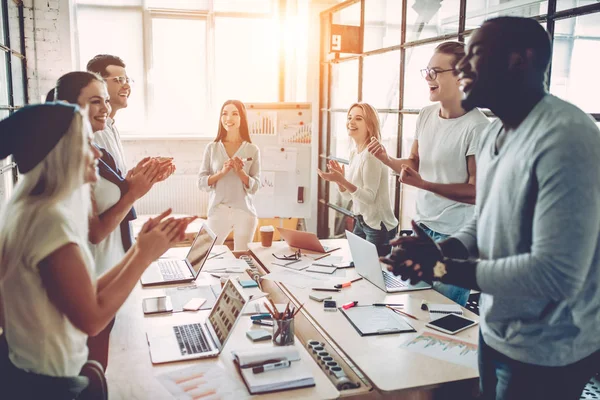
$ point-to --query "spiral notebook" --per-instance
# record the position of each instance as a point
(437, 311)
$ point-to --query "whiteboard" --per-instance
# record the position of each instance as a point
(283, 133)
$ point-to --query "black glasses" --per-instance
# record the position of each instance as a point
(293, 257)
(432, 73)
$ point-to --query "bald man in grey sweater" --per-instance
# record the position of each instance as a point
(533, 248)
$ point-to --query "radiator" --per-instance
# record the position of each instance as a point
(179, 192)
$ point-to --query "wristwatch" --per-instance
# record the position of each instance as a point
(439, 270)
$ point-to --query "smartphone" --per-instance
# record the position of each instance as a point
(153, 305)
(330, 305)
(451, 324)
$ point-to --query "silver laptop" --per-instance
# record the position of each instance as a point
(203, 339)
(366, 262)
(172, 270)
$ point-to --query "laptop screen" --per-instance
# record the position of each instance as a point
(201, 248)
(226, 311)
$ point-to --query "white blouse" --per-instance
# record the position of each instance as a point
(229, 190)
(372, 196)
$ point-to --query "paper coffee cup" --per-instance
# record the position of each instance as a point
(266, 235)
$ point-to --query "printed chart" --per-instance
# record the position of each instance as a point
(444, 348)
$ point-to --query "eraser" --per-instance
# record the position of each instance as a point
(248, 283)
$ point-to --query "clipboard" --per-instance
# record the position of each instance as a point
(372, 320)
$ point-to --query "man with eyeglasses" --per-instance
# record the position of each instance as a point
(441, 163)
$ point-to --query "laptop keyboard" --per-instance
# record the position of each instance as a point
(191, 339)
(391, 281)
(170, 270)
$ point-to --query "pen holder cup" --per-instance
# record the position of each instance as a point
(283, 332)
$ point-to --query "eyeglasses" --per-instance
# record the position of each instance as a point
(432, 73)
(122, 80)
(293, 257)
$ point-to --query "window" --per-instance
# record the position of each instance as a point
(188, 56)
(378, 74)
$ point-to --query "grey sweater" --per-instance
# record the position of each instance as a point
(536, 230)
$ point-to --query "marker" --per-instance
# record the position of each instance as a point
(260, 316)
(271, 367)
(326, 289)
(247, 159)
(343, 285)
(263, 323)
(349, 305)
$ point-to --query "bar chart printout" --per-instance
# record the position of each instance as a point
(444, 348)
(202, 382)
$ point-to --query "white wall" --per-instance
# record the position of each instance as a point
(48, 44)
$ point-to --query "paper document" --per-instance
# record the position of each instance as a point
(444, 348)
(296, 279)
(234, 265)
(273, 159)
(205, 381)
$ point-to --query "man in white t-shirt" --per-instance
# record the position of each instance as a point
(442, 158)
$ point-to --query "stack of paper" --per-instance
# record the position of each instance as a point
(295, 376)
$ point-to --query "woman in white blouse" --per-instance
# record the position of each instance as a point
(366, 182)
(230, 172)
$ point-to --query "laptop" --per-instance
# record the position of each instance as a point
(202, 339)
(304, 240)
(172, 270)
(366, 262)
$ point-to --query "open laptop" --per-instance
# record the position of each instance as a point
(202, 339)
(366, 262)
(171, 270)
(304, 240)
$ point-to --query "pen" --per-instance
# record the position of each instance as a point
(326, 289)
(343, 285)
(247, 159)
(216, 276)
(349, 305)
(216, 255)
(271, 367)
(263, 323)
(387, 304)
(403, 313)
(260, 316)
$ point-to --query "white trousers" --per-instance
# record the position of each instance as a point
(224, 219)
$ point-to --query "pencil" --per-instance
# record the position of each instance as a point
(402, 312)
(299, 308)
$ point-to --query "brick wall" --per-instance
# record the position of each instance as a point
(48, 44)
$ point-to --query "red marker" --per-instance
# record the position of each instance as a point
(349, 305)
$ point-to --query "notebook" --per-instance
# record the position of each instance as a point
(297, 375)
(437, 311)
(372, 320)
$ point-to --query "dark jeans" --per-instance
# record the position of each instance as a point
(502, 378)
(379, 237)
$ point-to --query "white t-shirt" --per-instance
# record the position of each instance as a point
(110, 251)
(372, 197)
(444, 145)
(110, 139)
(41, 339)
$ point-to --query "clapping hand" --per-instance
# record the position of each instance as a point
(238, 164)
(336, 172)
(159, 234)
(413, 257)
(376, 148)
(142, 177)
(167, 168)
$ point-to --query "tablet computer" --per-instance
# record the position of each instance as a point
(451, 324)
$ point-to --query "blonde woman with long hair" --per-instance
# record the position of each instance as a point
(366, 182)
(52, 299)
